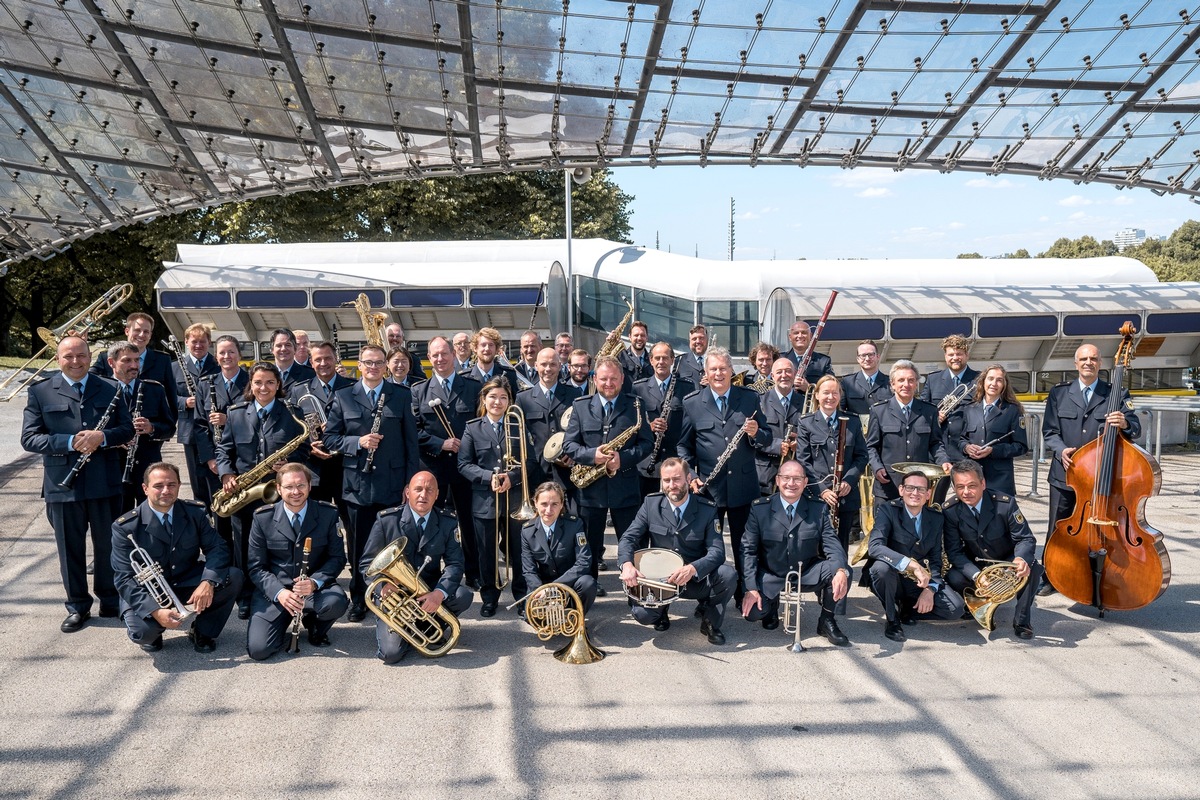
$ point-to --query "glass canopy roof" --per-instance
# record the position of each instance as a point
(113, 111)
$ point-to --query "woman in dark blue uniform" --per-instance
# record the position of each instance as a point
(994, 429)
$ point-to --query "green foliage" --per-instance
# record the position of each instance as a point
(968, 255)
(525, 205)
(1083, 247)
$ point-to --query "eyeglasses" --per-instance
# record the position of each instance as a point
(867, 356)
(790, 478)
(372, 364)
(909, 489)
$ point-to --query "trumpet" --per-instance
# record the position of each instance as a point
(79, 324)
(554, 609)
(954, 399)
(149, 573)
(315, 418)
(789, 598)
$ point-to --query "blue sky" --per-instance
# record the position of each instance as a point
(826, 212)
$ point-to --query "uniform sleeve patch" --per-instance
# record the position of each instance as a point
(1022, 423)
(582, 539)
(1019, 517)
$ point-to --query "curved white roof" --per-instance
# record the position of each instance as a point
(482, 263)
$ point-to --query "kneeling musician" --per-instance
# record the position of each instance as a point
(554, 547)
(685, 523)
(906, 560)
(984, 527)
(433, 547)
(789, 532)
(156, 551)
(296, 552)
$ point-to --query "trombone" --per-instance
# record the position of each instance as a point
(513, 457)
(80, 324)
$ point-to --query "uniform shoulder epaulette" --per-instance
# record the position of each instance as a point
(1064, 383)
(897, 502)
(704, 501)
(387, 512)
(327, 504)
(1003, 498)
(641, 380)
(695, 392)
(473, 419)
(880, 402)
(267, 509)
(525, 389)
(188, 502)
(572, 517)
(763, 500)
(467, 374)
(127, 516)
(238, 405)
(950, 501)
(448, 513)
(655, 494)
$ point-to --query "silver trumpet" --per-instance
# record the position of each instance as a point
(955, 398)
(315, 418)
(149, 574)
(789, 598)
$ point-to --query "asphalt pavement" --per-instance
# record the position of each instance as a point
(1089, 708)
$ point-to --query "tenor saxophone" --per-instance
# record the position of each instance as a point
(584, 476)
(246, 489)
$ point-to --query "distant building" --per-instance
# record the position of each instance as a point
(1128, 237)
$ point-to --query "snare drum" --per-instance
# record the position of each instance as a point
(653, 589)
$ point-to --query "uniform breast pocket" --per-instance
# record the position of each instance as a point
(1068, 414)
(774, 534)
(57, 409)
(892, 428)
(352, 416)
(921, 426)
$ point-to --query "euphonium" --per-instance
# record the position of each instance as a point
(431, 635)
(612, 343)
(789, 598)
(247, 489)
(554, 609)
(584, 476)
(1002, 585)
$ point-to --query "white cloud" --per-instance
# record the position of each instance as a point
(956, 226)
(863, 177)
(1078, 215)
(875, 191)
(989, 183)
(1123, 200)
(1075, 201)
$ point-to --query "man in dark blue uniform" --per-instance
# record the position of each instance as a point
(800, 334)
(677, 520)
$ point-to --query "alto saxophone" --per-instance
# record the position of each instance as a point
(584, 476)
(246, 489)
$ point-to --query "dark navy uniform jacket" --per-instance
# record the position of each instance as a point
(565, 558)
(178, 553)
(439, 543)
(772, 546)
(697, 540)
(817, 451)
(895, 538)
(396, 459)
(858, 396)
(999, 534)
(706, 434)
(588, 430)
(276, 552)
(1070, 422)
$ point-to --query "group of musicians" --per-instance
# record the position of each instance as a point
(669, 449)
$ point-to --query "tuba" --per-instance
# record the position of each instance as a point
(79, 324)
(431, 635)
(247, 489)
(583, 475)
(149, 573)
(554, 609)
(1002, 585)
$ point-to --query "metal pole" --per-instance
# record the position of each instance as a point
(570, 266)
(1035, 452)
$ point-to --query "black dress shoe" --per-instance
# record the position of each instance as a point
(600, 591)
(109, 613)
(828, 627)
(488, 610)
(664, 623)
(243, 611)
(202, 643)
(894, 631)
(909, 617)
(603, 567)
(473, 584)
(318, 639)
(1046, 589)
(75, 621)
(1023, 631)
(153, 646)
(357, 613)
(770, 623)
(712, 632)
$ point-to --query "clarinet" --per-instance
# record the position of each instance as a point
(217, 430)
(656, 453)
(177, 351)
(294, 645)
(376, 420)
(84, 458)
(127, 475)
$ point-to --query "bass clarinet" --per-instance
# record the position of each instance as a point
(127, 475)
(376, 421)
(84, 458)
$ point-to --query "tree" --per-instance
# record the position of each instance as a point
(1083, 247)
(524, 205)
(968, 255)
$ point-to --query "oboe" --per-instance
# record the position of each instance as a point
(294, 645)
(84, 458)
(217, 430)
(127, 475)
(376, 420)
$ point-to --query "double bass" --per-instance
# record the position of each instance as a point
(1105, 554)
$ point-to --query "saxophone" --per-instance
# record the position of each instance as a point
(373, 322)
(613, 345)
(584, 476)
(247, 489)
